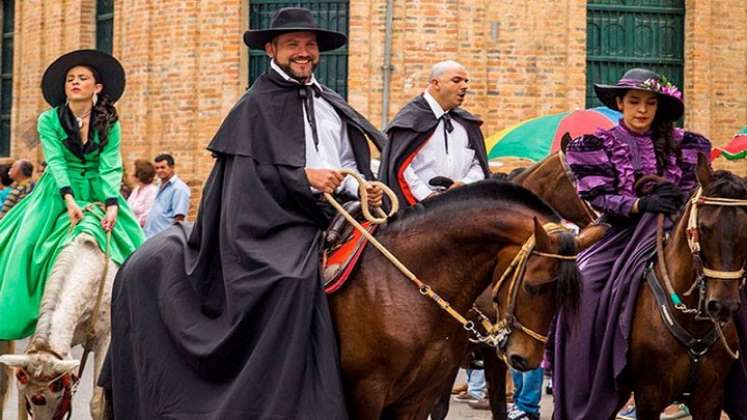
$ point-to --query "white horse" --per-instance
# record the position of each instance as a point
(46, 374)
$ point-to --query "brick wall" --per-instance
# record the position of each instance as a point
(182, 60)
(186, 64)
(716, 72)
(524, 58)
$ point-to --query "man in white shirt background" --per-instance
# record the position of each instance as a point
(433, 142)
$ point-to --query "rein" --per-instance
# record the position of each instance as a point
(71, 386)
(503, 327)
(701, 271)
(591, 214)
(495, 334)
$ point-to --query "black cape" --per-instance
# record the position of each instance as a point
(409, 130)
(228, 320)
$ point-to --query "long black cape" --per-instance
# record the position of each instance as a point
(411, 128)
(230, 321)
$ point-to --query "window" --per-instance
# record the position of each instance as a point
(104, 25)
(622, 34)
(6, 75)
(329, 14)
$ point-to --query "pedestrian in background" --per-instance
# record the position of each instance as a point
(142, 197)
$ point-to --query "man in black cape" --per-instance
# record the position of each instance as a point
(433, 144)
(229, 321)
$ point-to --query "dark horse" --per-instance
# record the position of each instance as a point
(397, 347)
(660, 365)
(552, 180)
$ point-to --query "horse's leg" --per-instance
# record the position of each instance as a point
(6, 373)
(441, 408)
(495, 376)
(366, 401)
(649, 402)
(98, 402)
(706, 404)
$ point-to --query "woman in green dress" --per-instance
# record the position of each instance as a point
(80, 138)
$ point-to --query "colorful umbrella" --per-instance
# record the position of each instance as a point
(735, 149)
(536, 138)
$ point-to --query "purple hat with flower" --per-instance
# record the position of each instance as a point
(670, 106)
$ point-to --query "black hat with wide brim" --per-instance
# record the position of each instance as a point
(108, 72)
(294, 19)
(670, 106)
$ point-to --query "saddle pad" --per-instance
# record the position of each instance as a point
(338, 263)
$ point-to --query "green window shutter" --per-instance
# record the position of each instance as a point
(329, 14)
(622, 34)
(104, 25)
(6, 75)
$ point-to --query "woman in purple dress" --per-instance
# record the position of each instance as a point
(592, 344)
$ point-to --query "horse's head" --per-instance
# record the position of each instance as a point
(542, 278)
(45, 381)
(717, 232)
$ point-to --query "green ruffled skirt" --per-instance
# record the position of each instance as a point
(34, 232)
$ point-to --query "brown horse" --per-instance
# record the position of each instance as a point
(661, 369)
(399, 348)
(552, 180)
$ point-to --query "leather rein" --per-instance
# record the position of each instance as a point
(496, 333)
(517, 269)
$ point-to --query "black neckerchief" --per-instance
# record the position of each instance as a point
(73, 142)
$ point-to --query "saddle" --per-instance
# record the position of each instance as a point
(343, 246)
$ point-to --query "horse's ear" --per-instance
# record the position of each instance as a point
(703, 170)
(64, 366)
(14, 360)
(590, 234)
(564, 141)
(541, 238)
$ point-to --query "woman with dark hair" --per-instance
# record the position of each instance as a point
(591, 345)
(80, 138)
(142, 197)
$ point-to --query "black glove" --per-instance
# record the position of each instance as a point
(667, 189)
(655, 203)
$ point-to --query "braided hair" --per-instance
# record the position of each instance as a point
(104, 114)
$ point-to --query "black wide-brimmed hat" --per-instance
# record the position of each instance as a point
(294, 19)
(670, 105)
(108, 72)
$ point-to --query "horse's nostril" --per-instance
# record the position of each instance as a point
(713, 307)
(732, 308)
(519, 362)
(38, 400)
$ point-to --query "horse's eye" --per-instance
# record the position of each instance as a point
(532, 290)
(56, 386)
(22, 377)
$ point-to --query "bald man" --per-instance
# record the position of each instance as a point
(434, 145)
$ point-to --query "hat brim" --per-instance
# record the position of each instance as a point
(109, 70)
(327, 40)
(669, 108)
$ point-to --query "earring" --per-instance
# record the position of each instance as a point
(95, 99)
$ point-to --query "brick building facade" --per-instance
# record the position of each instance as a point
(186, 64)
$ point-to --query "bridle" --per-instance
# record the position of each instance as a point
(68, 382)
(701, 271)
(504, 326)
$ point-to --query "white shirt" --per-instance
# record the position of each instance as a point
(334, 150)
(459, 163)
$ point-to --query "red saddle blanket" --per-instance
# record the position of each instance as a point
(339, 262)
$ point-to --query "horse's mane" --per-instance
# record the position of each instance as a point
(487, 193)
(66, 259)
(726, 185)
